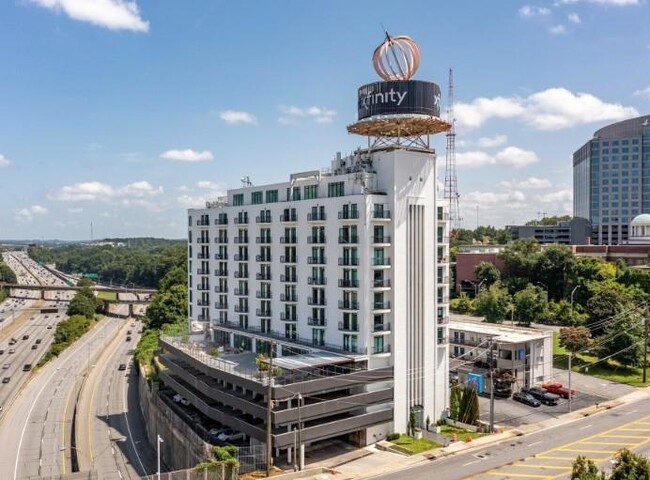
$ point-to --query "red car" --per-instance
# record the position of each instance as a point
(558, 389)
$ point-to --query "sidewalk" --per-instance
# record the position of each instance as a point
(370, 461)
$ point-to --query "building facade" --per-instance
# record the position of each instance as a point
(611, 179)
(576, 231)
(342, 273)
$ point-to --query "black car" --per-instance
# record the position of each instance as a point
(122, 366)
(542, 395)
(6, 380)
(526, 398)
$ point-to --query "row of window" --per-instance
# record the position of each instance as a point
(308, 192)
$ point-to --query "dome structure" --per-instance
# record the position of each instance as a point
(640, 230)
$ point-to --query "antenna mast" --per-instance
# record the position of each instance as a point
(451, 181)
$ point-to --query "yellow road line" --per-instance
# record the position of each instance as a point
(612, 443)
(645, 437)
(548, 467)
(516, 475)
(584, 450)
(635, 429)
(571, 457)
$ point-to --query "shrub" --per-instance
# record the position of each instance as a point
(392, 436)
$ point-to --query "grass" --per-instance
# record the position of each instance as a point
(107, 295)
(448, 430)
(607, 370)
(411, 446)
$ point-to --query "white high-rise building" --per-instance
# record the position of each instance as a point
(340, 273)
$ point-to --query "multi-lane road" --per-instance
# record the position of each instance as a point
(81, 411)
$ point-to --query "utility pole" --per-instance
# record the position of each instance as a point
(301, 459)
(645, 347)
(491, 389)
(571, 353)
(269, 407)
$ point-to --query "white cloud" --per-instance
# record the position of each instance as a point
(111, 14)
(133, 194)
(237, 117)
(4, 161)
(210, 191)
(27, 213)
(573, 18)
(187, 155)
(75, 210)
(514, 197)
(291, 114)
(528, 11)
(644, 93)
(557, 29)
(530, 183)
(550, 109)
(560, 196)
(509, 156)
(496, 141)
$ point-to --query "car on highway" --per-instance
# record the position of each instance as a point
(27, 367)
(542, 395)
(1, 352)
(34, 347)
(12, 341)
(38, 341)
(558, 389)
(122, 366)
(526, 398)
(12, 350)
(6, 380)
(128, 338)
(6, 366)
(49, 327)
(25, 337)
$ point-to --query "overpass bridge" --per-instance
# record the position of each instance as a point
(12, 287)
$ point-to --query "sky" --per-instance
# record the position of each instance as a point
(122, 114)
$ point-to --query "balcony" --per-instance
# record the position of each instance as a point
(381, 262)
(349, 215)
(221, 273)
(443, 340)
(203, 303)
(381, 215)
(443, 320)
(381, 239)
(263, 258)
(381, 283)
(241, 274)
(202, 256)
(316, 301)
(203, 223)
(317, 260)
(221, 221)
(443, 217)
(316, 322)
(241, 220)
(290, 239)
(266, 294)
(241, 258)
(316, 217)
(288, 317)
(263, 276)
(443, 280)
(266, 239)
(348, 261)
(241, 292)
(381, 327)
(442, 259)
(203, 288)
(203, 271)
(348, 239)
(222, 239)
(348, 305)
(263, 219)
(376, 350)
(241, 239)
(381, 305)
(288, 259)
(220, 289)
(201, 240)
(443, 299)
(203, 318)
(291, 217)
(348, 327)
(288, 297)
(289, 278)
(443, 239)
(260, 312)
(221, 256)
(241, 308)
(221, 305)
(349, 282)
(317, 280)
(317, 239)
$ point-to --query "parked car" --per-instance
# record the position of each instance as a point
(525, 398)
(178, 398)
(230, 435)
(542, 395)
(558, 389)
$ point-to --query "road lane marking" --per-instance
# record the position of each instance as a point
(534, 443)
(586, 426)
(471, 463)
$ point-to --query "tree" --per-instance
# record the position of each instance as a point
(454, 401)
(530, 305)
(487, 272)
(84, 282)
(468, 410)
(553, 268)
(493, 303)
(168, 307)
(7, 274)
(575, 339)
(176, 276)
(585, 469)
(623, 340)
(608, 299)
(520, 260)
(630, 466)
(82, 305)
(559, 313)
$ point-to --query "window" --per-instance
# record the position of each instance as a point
(311, 192)
(335, 189)
(378, 344)
(350, 343)
(271, 196)
(238, 199)
(293, 194)
(256, 198)
(190, 220)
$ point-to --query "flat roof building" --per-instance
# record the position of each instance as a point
(576, 231)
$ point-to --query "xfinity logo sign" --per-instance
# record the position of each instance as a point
(399, 97)
(389, 97)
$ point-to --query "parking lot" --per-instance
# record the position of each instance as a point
(589, 392)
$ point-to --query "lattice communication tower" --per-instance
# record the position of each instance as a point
(451, 181)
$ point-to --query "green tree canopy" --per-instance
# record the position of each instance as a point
(168, 307)
(492, 303)
(553, 268)
(575, 339)
(530, 305)
(487, 272)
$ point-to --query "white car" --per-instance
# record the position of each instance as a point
(230, 436)
(178, 398)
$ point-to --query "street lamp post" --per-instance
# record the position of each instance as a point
(571, 353)
(478, 288)
(159, 440)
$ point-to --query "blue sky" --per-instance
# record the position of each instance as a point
(125, 113)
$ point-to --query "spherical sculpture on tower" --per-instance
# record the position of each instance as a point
(397, 58)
